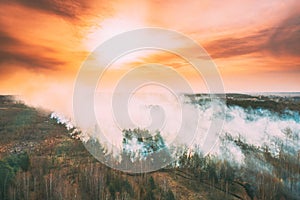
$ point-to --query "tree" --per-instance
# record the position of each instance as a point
(17, 161)
(6, 177)
(145, 144)
(170, 195)
(151, 183)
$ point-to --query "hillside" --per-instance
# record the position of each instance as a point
(40, 160)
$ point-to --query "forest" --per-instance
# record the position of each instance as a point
(40, 159)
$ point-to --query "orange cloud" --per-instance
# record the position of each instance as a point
(44, 42)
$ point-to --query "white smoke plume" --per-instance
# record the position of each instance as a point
(257, 127)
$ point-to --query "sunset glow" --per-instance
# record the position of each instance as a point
(255, 45)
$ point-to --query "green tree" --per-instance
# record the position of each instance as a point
(170, 195)
(17, 161)
(151, 183)
(6, 177)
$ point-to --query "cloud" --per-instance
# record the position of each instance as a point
(45, 34)
(234, 46)
(51, 38)
(68, 8)
(285, 38)
(280, 40)
(16, 52)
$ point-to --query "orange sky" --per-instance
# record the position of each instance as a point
(255, 44)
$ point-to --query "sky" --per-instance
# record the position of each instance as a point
(43, 43)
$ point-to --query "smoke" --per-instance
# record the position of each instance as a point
(245, 139)
(152, 111)
(263, 128)
(259, 127)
